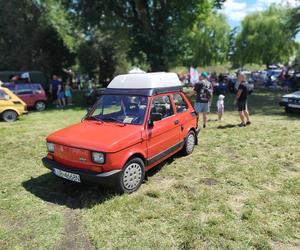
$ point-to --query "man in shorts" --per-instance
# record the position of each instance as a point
(203, 96)
(241, 100)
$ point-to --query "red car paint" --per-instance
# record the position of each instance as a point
(73, 146)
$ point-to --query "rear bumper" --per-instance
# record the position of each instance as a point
(106, 178)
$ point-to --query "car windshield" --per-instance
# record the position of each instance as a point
(126, 109)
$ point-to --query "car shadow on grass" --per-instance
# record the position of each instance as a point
(61, 192)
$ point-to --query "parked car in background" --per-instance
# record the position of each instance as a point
(138, 122)
(92, 95)
(11, 106)
(291, 101)
(33, 76)
(32, 94)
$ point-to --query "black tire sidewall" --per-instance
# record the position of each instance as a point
(120, 186)
(9, 111)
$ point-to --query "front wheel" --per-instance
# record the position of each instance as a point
(132, 176)
(40, 106)
(9, 116)
(190, 142)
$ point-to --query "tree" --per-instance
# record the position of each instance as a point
(208, 42)
(155, 28)
(264, 38)
(28, 41)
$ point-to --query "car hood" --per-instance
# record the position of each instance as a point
(293, 95)
(98, 136)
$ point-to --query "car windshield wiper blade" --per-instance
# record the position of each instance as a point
(111, 119)
(93, 118)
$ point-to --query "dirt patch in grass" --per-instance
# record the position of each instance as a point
(73, 235)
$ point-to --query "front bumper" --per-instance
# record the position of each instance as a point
(107, 178)
(284, 104)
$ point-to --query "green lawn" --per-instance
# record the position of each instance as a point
(240, 189)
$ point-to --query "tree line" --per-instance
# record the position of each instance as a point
(102, 38)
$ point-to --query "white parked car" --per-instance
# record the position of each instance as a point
(291, 101)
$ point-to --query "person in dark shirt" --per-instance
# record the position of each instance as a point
(241, 100)
(54, 83)
(203, 96)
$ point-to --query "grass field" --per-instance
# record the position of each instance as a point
(240, 189)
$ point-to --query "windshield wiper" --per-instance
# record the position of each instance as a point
(111, 119)
(93, 118)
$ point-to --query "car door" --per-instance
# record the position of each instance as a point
(25, 92)
(163, 136)
(185, 117)
(3, 100)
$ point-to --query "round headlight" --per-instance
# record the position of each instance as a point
(50, 147)
(98, 157)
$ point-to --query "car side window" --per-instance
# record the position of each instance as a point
(2, 95)
(180, 103)
(162, 105)
(24, 89)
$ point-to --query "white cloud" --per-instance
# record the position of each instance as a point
(236, 10)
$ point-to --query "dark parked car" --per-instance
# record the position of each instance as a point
(91, 96)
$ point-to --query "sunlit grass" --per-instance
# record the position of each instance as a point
(240, 189)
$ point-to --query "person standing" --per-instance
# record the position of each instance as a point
(241, 100)
(203, 96)
(61, 95)
(220, 107)
(54, 83)
(68, 92)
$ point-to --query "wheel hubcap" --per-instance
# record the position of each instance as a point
(132, 176)
(190, 143)
(9, 116)
(40, 106)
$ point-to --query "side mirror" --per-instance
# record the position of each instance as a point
(6, 97)
(154, 117)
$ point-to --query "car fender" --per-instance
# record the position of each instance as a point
(11, 108)
(120, 158)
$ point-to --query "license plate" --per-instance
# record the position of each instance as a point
(294, 105)
(66, 175)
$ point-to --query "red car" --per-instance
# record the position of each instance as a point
(138, 122)
(32, 94)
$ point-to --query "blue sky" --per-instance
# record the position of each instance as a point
(236, 10)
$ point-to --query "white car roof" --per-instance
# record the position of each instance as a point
(145, 81)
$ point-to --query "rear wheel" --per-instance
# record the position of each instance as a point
(132, 176)
(40, 106)
(9, 116)
(190, 142)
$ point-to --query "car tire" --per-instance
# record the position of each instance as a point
(190, 143)
(132, 176)
(9, 116)
(40, 105)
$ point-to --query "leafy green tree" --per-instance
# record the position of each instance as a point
(208, 42)
(264, 38)
(155, 28)
(28, 41)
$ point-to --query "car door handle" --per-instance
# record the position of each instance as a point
(176, 122)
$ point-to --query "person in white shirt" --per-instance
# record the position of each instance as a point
(220, 107)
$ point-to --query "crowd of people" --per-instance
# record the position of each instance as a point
(203, 91)
(61, 93)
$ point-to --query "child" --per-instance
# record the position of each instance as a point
(220, 107)
(68, 92)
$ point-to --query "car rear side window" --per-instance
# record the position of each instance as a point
(2, 95)
(24, 89)
(162, 105)
(180, 103)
